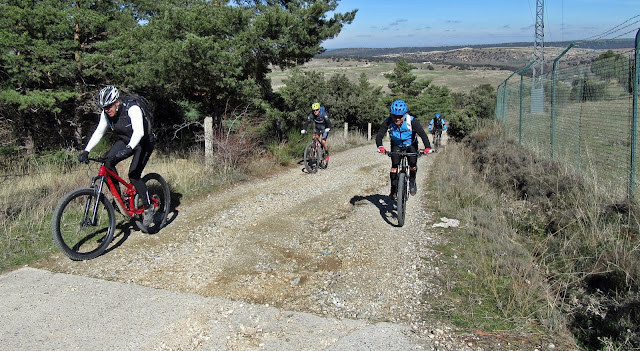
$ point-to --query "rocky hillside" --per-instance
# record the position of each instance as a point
(510, 55)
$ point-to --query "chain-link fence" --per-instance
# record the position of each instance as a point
(585, 115)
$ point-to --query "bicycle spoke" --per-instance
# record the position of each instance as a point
(81, 229)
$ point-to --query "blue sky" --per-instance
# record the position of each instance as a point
(399, 23)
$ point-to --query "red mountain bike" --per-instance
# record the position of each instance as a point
(84, 221)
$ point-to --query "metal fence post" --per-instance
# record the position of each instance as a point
(634, 121)
(553, 100)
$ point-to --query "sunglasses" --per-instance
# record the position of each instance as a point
(397, 116)
(108, 107)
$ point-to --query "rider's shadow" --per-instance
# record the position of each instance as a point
(386, 206)
(126, 227)
(123, 231)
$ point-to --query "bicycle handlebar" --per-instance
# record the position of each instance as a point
(99, 159)
(404, 153)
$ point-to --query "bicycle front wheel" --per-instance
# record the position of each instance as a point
(321, 158)
(402, 197)
(81, 228)
(311, 157)
(160, 197)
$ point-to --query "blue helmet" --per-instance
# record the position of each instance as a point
(437, 115)
(398, 107)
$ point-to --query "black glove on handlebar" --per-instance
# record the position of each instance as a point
(84, 157)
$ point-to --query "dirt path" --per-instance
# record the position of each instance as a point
(324, 243)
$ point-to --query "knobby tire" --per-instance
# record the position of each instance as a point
(320, 155)
(311, 157)
(75, 233)
(402, 198)
(157, 188)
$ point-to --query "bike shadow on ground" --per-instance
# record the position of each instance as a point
(126, 227)
(173, 210)
(385, 205)
(304, 168)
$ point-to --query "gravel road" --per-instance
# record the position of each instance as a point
(325, 244)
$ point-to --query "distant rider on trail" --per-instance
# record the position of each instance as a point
(437, 124)
(322, 126)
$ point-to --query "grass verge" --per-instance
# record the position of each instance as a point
(541, 251)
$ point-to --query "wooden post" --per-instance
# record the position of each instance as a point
(208, 141)
(346, 130)
(369, 131)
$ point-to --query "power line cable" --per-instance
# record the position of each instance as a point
(613, 30)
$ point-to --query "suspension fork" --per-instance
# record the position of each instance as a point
(98, 192)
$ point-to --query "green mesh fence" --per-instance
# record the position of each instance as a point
(584, 116)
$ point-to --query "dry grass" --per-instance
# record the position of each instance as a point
(442, 75)
(29, 200)
(543, 249)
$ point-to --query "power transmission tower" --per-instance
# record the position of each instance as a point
(537, 89)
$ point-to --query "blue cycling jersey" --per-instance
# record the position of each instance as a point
(401, 135)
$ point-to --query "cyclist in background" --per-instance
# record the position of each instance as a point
(125, 119)
(437, 125)
(322, 126)
(402, 128)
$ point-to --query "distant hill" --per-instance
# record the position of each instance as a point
(609, 44)
(509, 56)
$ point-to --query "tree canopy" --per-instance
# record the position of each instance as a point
(197, 57)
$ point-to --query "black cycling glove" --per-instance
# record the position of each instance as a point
(84, 157)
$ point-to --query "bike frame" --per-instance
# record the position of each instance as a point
(317, 139)
(112, 179)
(403, 167)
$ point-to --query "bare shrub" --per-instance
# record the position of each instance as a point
(233, 150)
(585, 242)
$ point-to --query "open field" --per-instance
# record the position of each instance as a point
(442, 75)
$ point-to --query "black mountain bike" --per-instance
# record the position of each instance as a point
(403, 182)
(437, 136)
(314, 156)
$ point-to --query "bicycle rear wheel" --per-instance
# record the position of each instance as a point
(159, 192)
(311, 157)
(402, 197)
(79, 231)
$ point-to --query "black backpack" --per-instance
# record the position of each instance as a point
(437, 123)
(145, 106)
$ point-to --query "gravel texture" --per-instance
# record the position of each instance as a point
(324, 243)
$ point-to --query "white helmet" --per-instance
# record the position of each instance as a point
(107, 96)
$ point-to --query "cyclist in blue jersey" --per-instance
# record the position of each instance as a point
(402, 128)
(437, 125)
(322, 126)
